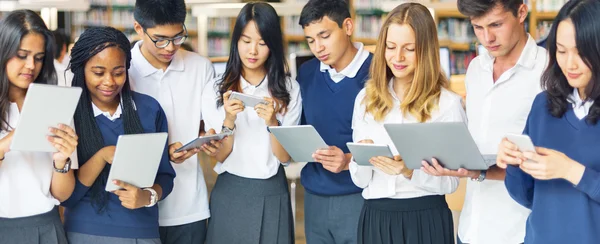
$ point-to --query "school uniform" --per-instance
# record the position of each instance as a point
(250, 202)
(489, 215)
(393, 201)
(178, 89)
(560, 211)
(28, 211)
(332, 202)
(84, 222)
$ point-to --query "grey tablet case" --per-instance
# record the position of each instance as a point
(300, 141)
(362, 152)
(136, 159)
(44, 106)
(449, 142)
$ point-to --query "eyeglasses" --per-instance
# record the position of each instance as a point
(164, 42)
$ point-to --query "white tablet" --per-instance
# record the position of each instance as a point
(136, 159)
(44, 106)
(449, 142)
(198, 142)
(362, 152)
(248, 100)
(300, 141)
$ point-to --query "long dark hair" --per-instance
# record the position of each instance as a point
(90, 43)
(583, 14)
(13, 28)
(267, 21)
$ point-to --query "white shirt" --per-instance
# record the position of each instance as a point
(378, 184)
(252, 156)
(580, 108)
(60, 74)
(352, 68)
(25, 178)
(178, 89)
(489, 214)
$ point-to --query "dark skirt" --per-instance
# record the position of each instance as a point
(43, 228)
(422, 220)
(250, 211)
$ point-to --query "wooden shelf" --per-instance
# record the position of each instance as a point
(449, 13)
(366, 41)
(295, 38)
(219, 59)
(546, 15)
(455, 46)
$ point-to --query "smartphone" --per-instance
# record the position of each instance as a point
(523, 142)
(248, 100)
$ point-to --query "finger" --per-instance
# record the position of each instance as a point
(460, 172)
(226, 96)
(438, 167)
(66, 152)
(533, 166)
(211, 132)
(120, 193)
(60, 133)
(323, 158)
(533, 156)
(325, 152)
(124, 185)
(126, 205)
(386, 169)
(544, 151)
(509, 145)
(366, 141)
(429, 169)
(68, 129)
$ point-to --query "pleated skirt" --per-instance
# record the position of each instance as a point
(43, 228)
(422, 220)
(250, 211)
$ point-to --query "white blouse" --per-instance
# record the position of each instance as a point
(376, 183)
(25, 178)
(251, 156)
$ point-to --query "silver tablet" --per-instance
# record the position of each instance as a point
(248, 100)
(449, 142)
(300, 141)
(362, 152)
(198, 142)
(44, 106)
(136, 159)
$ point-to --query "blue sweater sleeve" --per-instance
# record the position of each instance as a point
(519, 184)
(166, 173)
(78, 193)
(590, 184)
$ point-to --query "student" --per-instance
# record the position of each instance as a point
(250, 202)
(31, 183)
(329, 84)
(406, 86)
(107, 109)
(61, 41)
(174, 77)
(501, 84)
(559, 182)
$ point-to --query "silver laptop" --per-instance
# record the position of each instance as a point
(449, 142)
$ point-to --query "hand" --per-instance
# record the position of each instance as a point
(267, 112)
(65, 141)
(212, 148)
(333, 159)
(131, 197)
(108, 153)
(508, 154)
(391, 166)
(5, 143)
(232, 107)
(366, 141)
(436, 169)
(547, 164)
(180, 157)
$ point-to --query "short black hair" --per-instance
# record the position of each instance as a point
(315, 10)
(60, 40)
(150, 13)
(478, 8)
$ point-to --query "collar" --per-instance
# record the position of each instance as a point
(146, 69)
(116, 115)
(527, 59)
(352, 69)
(576, 101)
(245, 84)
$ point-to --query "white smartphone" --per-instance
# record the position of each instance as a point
(523, 142)
(198, 142)
(248, 100)
(363, 152)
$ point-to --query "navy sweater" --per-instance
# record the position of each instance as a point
(560, 211)
(328, 106)
(116, 220)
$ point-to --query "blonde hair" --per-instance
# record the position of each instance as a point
(422, 96)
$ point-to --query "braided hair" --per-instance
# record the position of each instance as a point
(90, 43)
